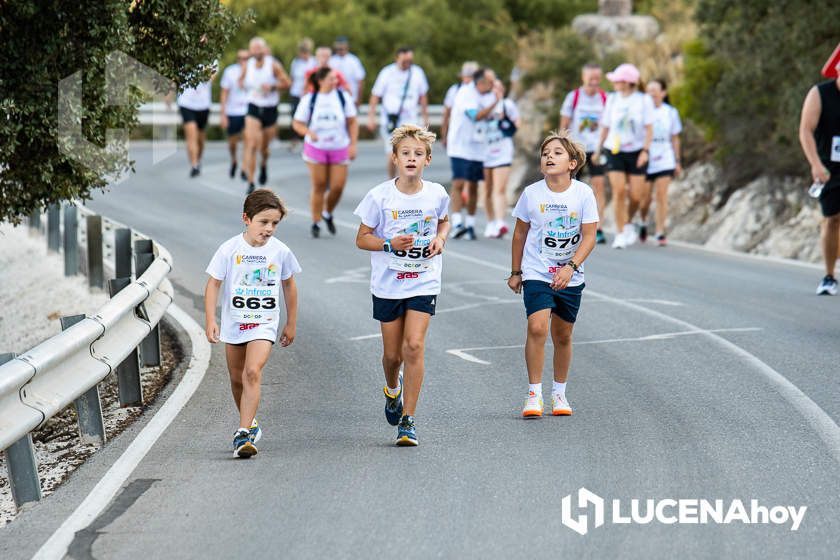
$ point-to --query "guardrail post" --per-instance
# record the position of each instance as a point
(88, 406)
(122, 253)
(96, 272)
(35, 221)
(20, 462)
(128, 372)
(150, 347)
(71, 241)
(53, 228)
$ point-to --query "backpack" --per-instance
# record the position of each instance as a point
(576, 98)
(312, 104)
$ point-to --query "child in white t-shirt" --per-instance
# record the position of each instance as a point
(252, 266)
(405, 222)
(556, 223)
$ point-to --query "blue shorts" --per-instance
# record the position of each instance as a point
(538, 295)
(235, 125)
(467, 169)
(387, 310)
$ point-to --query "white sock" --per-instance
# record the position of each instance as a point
(326, 215)
(394, 391)
(559, 388)
(470, 220)
(456, 219)
(535, 388)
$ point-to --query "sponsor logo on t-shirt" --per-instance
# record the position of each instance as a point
(411, 213)
(552, 208)
(251, 259)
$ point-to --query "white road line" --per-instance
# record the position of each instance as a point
(366, 337)
(474, 305)
(105, 490)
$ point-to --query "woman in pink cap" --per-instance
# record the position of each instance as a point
(626, 132)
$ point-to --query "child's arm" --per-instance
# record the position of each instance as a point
(563, 276)
(520, 234)
(365, 239)
(439, 241)
(290, 296)
(211, 296)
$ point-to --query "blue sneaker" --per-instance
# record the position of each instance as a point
(406, 434)
(242, 446)
(255, 432)
(393, 405)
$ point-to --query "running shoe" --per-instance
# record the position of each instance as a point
(533, 406)
(195, 172)
(250, 188)
(643, 233)
(242, 445)
(489, 231)
(243, 176)
(470, 233)
(255, 431)
(330, 224)
(233, 170)
(502, 231)
(459, 232)
(600, 238)
(618, 242)
(316, 231)
(828, 286)
(560, 406)
(393, 405)
(406, 434)
(662, 240)
(263, 175)
(630, 235)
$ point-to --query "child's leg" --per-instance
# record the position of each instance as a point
(535, 344)
(256, 355)
(235, 355)
(392, 337)
(561, 336)
(413, 349)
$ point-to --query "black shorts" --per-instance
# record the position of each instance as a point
(651, 177)
(266, 115)
(248, 341)
(625, 162)
(592, 167)
(565, 303)
(235, 125)
(467, 169)
(387, 310)
(830, 196)
(198, 117)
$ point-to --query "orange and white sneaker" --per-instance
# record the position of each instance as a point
(560, 406)
(533, 406)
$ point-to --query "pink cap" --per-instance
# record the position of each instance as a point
(624, 73)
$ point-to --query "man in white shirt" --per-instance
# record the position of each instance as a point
(466, 75)
(348, 64)
(402, 88)
(233, 103)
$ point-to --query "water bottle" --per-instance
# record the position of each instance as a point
(815, 189)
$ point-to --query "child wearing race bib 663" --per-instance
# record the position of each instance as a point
(405, 222)
(257, 270)
(556, 224)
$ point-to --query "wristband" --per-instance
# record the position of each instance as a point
(574, 265)
(516, 273)
(387, 246)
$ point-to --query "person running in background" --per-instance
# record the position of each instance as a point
(404, 224)
(322, 60)
(302, 63)
(581, 115)
(819, 134)
(627, 128)
(402, 88)
(263, 77)
(466, 143)
(467, 71)
(349, 64)
(248, 263)
(233, 103)
(556, 220)
(664, 160)
(194, 105)
(327, 121)
(498, 158)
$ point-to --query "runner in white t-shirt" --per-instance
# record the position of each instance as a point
(556, 220)
(349, 64)
(252, 270)
(664, 159)
(233, 103)
(581, 115)
(301, 64)
(327, 121)
(498, 159)
(404, 224)
(466, 75)
(194, 106)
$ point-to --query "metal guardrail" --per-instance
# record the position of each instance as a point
(68, 366)
(161, 114)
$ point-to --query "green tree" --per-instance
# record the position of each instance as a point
(45, 42)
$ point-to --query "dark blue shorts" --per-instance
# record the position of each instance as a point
(387, 310)
(625, 162)
(467, 169)
(235, 125)
(538, 295)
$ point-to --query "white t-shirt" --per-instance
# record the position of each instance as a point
(389, 87)
(329, 120)
(198, 98)
(404, 274)
(255, 77)
(666, 124)
(586, 117)
(352, 68)
(237, 100)
(499, 149)
(252, 292)
(449, 98)
(466, 137)
(298, 72)
(626, 117)
(555, 232)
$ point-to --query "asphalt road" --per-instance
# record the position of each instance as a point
(695, 376)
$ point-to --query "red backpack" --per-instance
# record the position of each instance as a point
(576, 98)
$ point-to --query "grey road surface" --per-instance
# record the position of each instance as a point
(695, 376)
